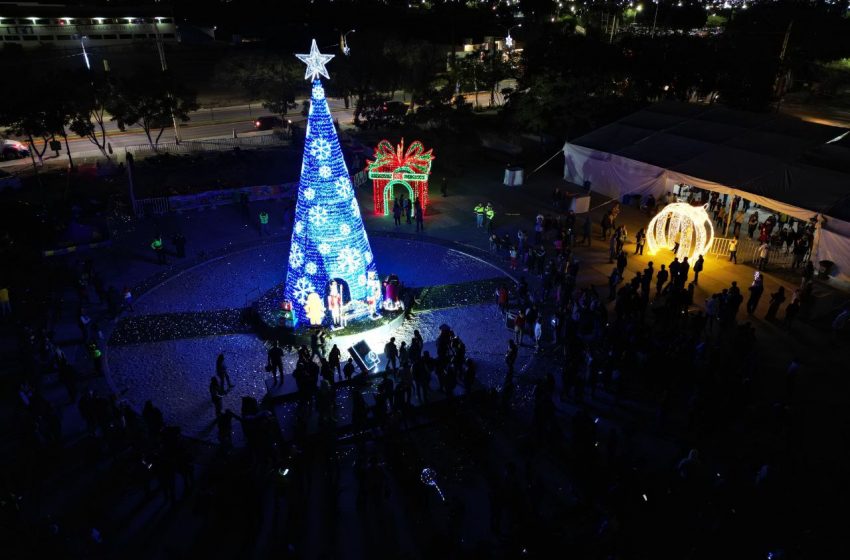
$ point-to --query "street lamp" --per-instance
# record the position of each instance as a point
(344, 42)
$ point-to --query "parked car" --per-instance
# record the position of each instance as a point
(9, 181)
(269, 122)
(12, 149)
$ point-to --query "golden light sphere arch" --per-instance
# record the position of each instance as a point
(689, 225)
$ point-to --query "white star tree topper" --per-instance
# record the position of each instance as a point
(315, 62)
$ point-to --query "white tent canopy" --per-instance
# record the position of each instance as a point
(801, 169)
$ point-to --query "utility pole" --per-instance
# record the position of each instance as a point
(654, 19)
(161, 48)
(779, 85)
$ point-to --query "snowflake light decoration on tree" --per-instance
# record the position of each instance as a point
(328, 231)
(367, 256)
(343, 187)
(348, 260)
(320, 149)
(318, 215)
(303, 289)
(296, 257)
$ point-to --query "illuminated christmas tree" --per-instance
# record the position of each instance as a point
(329, 242)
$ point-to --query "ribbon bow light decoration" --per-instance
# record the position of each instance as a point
(393, 165)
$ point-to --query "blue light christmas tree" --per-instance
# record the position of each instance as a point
(329, 241)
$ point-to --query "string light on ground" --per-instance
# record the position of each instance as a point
(690, 225)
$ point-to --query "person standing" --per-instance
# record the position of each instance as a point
(622, 261)
(5, 303)
(733, 250)
(397, 208)
(158, 249)
(221, 372)
(776, 299)
(348, 369)
(674, 271)
(276, 361)
(408, 210)
(519, 327)
(752, 224)
(640, 241)
(538, 334)
(510, 357)
(502, 298)
(677, 239)
(216, 395)
(490, 214)
(418, 216)
(763, 252)
(756, 290)
(739, 221)
(180, 245)
(684, 269)
(661, 278)
(607, 224)
(391, 354)
(586, 230)
(444, 187)
(612, 248)
(264, 223)
(479, 214)
(335, 359)
(613, 281)
(243, 204)
(698, 268)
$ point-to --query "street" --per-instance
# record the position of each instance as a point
(204, 123)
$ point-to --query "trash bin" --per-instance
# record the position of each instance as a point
(825, 269)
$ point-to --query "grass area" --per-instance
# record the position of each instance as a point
(182, 174)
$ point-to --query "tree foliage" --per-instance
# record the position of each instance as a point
(151, 99)
(270, 77)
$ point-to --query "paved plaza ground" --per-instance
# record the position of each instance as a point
(228, 265)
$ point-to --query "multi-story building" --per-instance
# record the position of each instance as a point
(31, 25)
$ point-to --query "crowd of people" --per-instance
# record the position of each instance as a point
(645, 343)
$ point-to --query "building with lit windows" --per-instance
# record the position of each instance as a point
(31, 25)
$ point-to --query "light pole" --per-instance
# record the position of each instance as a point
(655, 19)
(161, 48)
(85, 54)
(343, 43)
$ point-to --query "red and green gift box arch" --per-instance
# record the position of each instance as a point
(395, 166)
